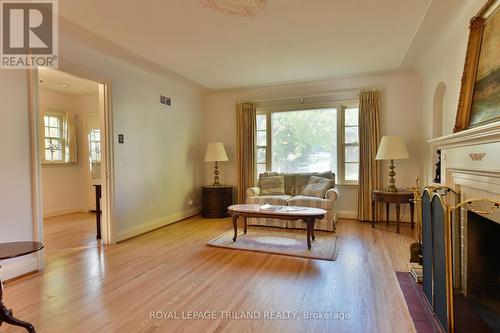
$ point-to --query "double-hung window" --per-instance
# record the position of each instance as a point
(53, 138)
(311, 138)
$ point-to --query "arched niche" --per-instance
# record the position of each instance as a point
(437, 110)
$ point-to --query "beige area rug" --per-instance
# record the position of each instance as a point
(287, 242)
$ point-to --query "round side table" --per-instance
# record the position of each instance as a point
(398, 198)
(9, 251)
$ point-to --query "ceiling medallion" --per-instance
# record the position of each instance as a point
(245, 8)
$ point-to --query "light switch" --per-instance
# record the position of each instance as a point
(121, 138)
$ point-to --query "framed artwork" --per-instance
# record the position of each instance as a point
(479, 101)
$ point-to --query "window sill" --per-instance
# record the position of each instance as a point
(59, 163)
(347, 185)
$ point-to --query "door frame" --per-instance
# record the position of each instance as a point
(108, 227)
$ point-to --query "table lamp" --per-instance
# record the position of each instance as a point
(216, 153)
(392, 148)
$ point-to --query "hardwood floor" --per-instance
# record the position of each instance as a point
(89, 288)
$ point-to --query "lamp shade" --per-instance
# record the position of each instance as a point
(392, 148)
(215, 152)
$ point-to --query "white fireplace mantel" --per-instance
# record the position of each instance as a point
(473, 136)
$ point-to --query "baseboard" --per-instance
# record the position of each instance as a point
(19, 266)
(345, 214)
(64, 211)
(157, 223)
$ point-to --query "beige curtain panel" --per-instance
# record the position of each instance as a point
(369, 138)
(245, 131)
(71, 155)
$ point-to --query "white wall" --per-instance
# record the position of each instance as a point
(160, 165)
(442, 61)
(15, 194)
(400, 116)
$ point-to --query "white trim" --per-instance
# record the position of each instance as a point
(64, 210)
(12, 268)
(156, 223)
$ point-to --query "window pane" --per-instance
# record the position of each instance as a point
(351, 171)
(352, 154)
(304, 141)
(351, 117)
(54, 132)
(261, 155)
(57, 155)
(351, 135)
(261, 138)
(47, 143)
(46, 131)
(54, 122)
(261, 168)
(261, 122)
(48, 155)
(46, 120)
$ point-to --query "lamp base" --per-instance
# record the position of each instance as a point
(392, 182)
(391, 188)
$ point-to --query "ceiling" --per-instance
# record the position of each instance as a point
(61, 82)
(286, 41)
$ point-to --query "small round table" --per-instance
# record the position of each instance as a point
(9, 251)
(398, 198)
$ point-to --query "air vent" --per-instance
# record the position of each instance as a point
(165, 100)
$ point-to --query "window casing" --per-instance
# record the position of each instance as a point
(54, 145)
(336, 150)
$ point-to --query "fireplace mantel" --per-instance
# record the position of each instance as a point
(478, 135)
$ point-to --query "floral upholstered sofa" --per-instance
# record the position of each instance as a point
(294, 184)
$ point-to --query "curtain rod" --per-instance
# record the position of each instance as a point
(332, 93)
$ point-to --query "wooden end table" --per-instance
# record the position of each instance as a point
(9, 251)
(215, 200)
(398, 198)
(306, 214)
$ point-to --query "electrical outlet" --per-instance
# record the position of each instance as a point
(121, 138)
(190, 202)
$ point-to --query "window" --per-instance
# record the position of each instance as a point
(310, 140)
(95, 145)
(351, 144)
(54, 141)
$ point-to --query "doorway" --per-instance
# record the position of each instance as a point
(71, 158)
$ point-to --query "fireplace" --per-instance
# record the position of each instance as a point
(477, 297)
(470, 165)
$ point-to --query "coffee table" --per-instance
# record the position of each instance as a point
(306, 214)
(9, 251)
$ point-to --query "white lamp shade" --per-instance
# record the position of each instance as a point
(215, 152)
(392, 148)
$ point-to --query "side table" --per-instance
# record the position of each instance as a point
(215, 200)
(398, 198)
(9, 251)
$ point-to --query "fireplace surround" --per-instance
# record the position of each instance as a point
(470, 166)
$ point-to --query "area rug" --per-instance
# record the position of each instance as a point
(280, 241)
(423, 320)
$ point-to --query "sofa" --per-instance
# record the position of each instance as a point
(294, 184)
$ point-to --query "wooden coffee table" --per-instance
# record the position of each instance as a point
(306, 214)
(9, 251)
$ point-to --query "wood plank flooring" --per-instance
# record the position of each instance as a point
(89, 288)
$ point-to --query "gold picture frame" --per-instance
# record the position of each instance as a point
(473, 59)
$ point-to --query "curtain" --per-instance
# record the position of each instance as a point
(71, 155)
(369, 138)
(245, 131)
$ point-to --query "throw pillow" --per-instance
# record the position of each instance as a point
(317, 187)
(272, 185)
